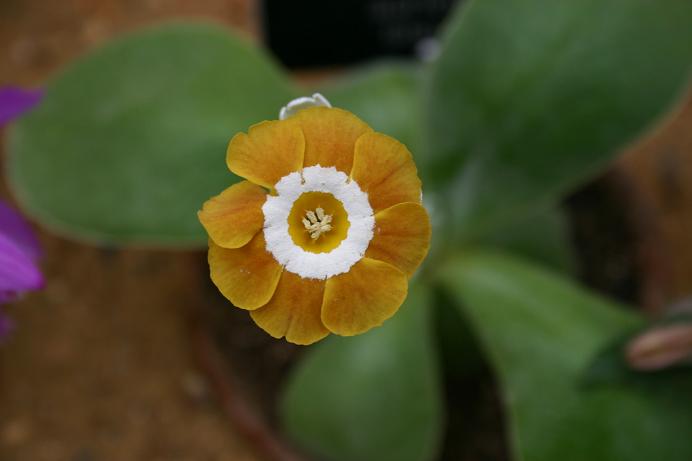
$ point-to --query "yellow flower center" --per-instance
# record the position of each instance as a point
(317, 222)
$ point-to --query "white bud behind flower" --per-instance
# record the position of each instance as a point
(304, 102)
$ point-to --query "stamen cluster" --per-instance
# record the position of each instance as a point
(317, 223)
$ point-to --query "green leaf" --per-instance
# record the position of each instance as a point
(543, 236)
(531, 97)
(130, 140)
(541, 334)
(374, 397)
(387, 96)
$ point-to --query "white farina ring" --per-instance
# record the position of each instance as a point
(276, 229)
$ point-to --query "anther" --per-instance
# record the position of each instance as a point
(317, 222)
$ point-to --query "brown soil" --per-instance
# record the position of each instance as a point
(103, 365)
(660, 169)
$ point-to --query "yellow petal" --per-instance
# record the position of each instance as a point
(234, 216)
(362, 298)
(294, 311)
(269, 151)
(401, 236)
(247, 276)
(384, 168)
(330, 136)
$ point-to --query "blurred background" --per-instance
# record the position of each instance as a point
(108, 362)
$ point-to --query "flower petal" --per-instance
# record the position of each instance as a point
(269, 151)
(15, 227)
(294, 311)
(247, 276)
(330, 136)
(18, 273)
(234, 216)
(363, 297)
(384, 169)
(401, 237)
(15, 101)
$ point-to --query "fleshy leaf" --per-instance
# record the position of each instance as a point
(373, 397)
(541, 334)
(131, 139)
(387, 97)
(531, 97)
(543, 236)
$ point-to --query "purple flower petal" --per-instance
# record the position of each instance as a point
(18, 273)
(19, 250)
(14, 227)
(7, 296)
(15, 101)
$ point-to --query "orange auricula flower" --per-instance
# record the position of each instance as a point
(326, 229)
